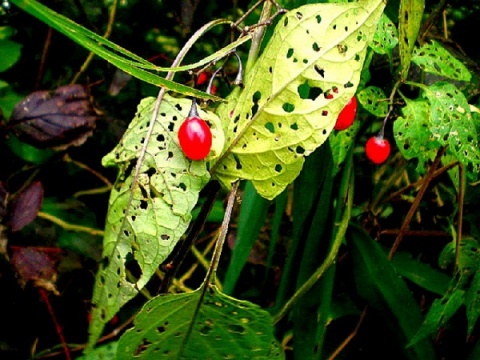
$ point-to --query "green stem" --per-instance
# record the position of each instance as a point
(257, 36)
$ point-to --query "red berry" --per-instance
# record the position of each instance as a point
(195, 138)
(202, 78)
(377, 149)
(347, 115)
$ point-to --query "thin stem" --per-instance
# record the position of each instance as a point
(106, 35)
(416, 202)
(257, 36)
(67, 226)
(461, 198)
(217, 252)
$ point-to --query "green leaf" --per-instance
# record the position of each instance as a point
(451, 123)
(147, 214)
(410, 18)
(421, 274)
(435, 59)
(378, 283)
(386, 37)
(104, 352)
(341, 142)
(374, 100)
(413, 135)
(283, 114)
(253, 214)
(472, 301)
(200, 326)
(438, 315)
(11, 52)
(123, 59)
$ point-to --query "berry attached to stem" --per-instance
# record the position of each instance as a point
(377, 149)
(195, 136)
(347, 115)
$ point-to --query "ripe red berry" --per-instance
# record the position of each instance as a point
(377, 149)
(202, 78)
(347, 115)
(195, 138)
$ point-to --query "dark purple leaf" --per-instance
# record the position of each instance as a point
(60, 119)
(25, 206)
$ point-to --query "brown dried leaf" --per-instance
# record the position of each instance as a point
(60, 119)
(25, 206)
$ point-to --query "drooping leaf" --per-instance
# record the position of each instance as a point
(24, 208)
(435, 59)
(472, 301)
(410, 18)
(307, 73)
(196, 326)
(147, 215)
(11, 52)
(59, 119)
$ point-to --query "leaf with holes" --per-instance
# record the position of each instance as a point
(386, 36)
(451, 123)
(149, 213)
(293, 94)
(435, 59)
(374, 100)
(340, 144)
(200, 326)
(410, 19)
(412, 133)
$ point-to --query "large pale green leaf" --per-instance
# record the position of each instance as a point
(147, 215)
(200, 326)
(285, 110)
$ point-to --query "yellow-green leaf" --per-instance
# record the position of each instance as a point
(309, 70)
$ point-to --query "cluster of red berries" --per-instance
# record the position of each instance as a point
(377, 147)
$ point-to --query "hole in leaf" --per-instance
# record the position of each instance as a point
(315, 47)
(287, 107)
(320, 71)
(142, 347)
(285, 22)
(133, 217)
(270, 69)
(319, 19)
(324, 112)
(165, 237)
(163, 327)
(143, 204)
(160, 138)
(348, 85)
(171, 126)
(178, 107)
(305, 91)
(278, 168)
(269, 126)
(289, 53)
(299, 150)
(182, 186)
(294, 126)
(235, 328)
(151, 172)
(133, 267)
(238, 165)
(299, 15)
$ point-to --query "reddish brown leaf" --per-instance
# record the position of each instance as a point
(25, 206)
(35, 266)
(60, 119)
(3, 201)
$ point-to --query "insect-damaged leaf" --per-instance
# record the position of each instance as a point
(25, 206)
(307, 73)
(147, 215)
(196, 326)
